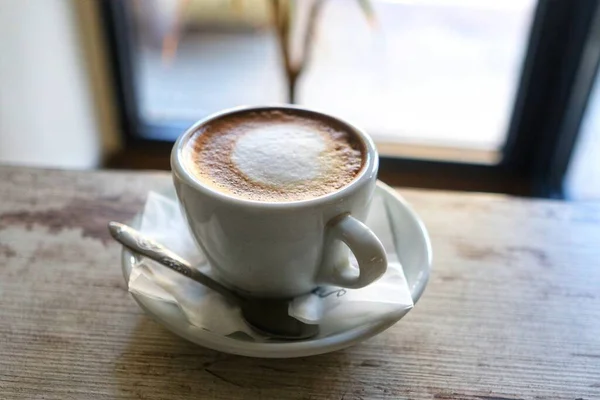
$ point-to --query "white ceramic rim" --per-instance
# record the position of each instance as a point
(367, 173)
(293, 348)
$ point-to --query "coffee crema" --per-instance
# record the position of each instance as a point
(275, 155)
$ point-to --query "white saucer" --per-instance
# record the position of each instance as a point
(413, 249)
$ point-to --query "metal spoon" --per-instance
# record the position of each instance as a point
(268, 316)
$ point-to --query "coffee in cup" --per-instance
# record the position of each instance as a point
(275, 155)
(275, 196)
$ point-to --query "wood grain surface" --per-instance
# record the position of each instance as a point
(512, 310)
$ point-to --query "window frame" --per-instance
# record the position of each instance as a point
(561, 60)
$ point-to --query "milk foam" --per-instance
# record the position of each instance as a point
(279, 155)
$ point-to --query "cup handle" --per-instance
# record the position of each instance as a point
(366, 247)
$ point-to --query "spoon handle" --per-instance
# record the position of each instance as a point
(140, 244)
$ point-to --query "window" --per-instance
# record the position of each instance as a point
(475, 82)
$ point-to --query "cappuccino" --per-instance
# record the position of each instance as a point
(275, 155)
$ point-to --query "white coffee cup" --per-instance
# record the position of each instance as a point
(283, 249)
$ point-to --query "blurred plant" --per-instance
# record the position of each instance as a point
(161, 22)
(283, 18)
(171, 40)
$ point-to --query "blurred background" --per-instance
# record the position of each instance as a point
(480, 95)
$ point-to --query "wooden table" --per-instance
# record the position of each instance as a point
(512, 310)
